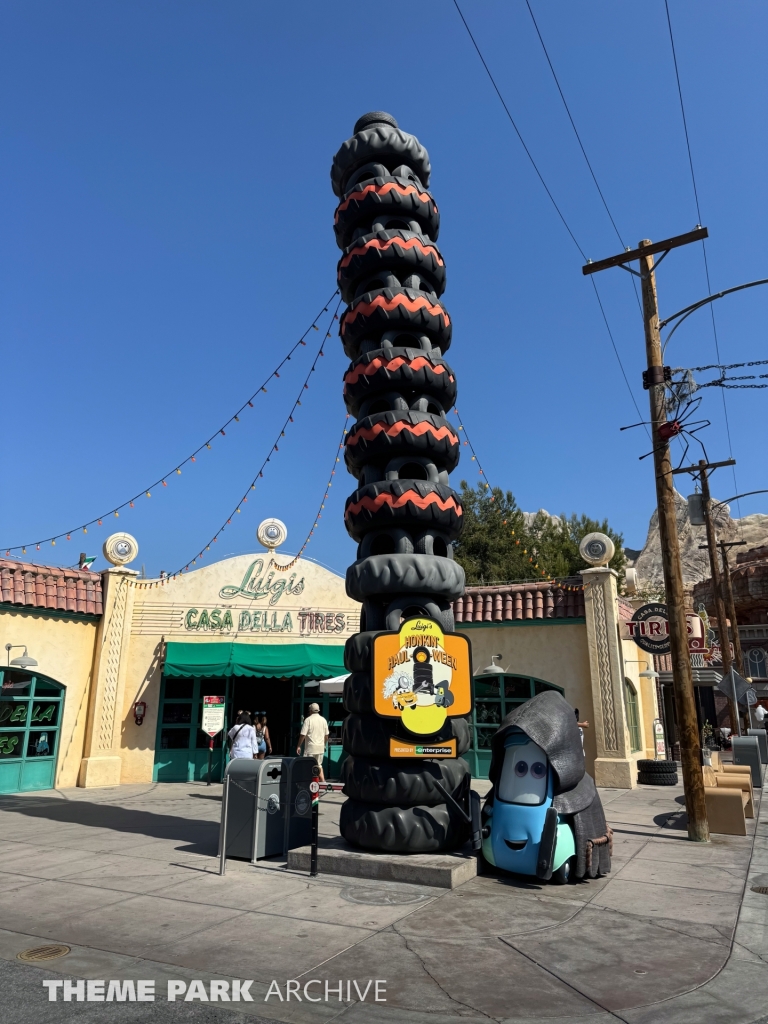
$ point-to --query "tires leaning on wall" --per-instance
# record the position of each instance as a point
(657, 778)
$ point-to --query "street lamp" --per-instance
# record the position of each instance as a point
(24, 661)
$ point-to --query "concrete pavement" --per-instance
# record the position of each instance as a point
(127, 877)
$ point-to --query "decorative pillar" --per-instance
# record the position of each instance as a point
(102, 763)
(404, 514)
(614, 764)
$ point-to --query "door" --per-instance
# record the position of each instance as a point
(31, 709)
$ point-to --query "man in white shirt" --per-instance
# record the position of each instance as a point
(314, 736)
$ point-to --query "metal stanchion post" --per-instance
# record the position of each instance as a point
(314, 788)
(223, 841)
(210, 759)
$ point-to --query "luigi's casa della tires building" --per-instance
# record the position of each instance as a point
(106, 674)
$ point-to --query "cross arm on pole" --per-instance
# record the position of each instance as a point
(710, 465)
(646, 250)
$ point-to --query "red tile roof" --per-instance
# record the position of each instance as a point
(51, 587)
(519, 602)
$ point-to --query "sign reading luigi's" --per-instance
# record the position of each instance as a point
(422, 676)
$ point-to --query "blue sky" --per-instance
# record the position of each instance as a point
(166, 238)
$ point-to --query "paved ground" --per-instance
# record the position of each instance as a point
(128, 878)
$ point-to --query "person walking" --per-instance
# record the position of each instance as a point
(314, 736)
(242, 738)
(262, 734)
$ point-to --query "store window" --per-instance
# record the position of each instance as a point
(633, 718)
(30, 718)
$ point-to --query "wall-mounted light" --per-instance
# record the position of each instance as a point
(23, 661)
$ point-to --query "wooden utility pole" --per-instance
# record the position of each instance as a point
(654, 379)
(717, 590)
(730, 604)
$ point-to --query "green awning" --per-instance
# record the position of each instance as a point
(309, 661)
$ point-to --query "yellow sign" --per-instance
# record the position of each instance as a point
(421, 676)
(401, 748)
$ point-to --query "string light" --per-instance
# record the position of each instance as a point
(146, 491)
(318, 515)
(542, 575)
(251, 486)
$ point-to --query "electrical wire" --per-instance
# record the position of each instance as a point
(176, 471)
(546, 189)
(260, 473)
(698, 215)
(581, 146)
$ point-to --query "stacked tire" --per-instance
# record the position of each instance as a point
(403, 514)
(656, 773)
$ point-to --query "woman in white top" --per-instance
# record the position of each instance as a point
(242, 736)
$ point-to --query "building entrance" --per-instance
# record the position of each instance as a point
(270, 697)
(31, 708)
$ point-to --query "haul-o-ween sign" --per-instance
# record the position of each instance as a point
(422, 676)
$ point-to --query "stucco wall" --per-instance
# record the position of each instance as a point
(547, 650)
(63, 648)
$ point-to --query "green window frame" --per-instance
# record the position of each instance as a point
(31, 709)
(633, 718)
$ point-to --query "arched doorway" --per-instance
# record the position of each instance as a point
(495, 695)
(31, 709)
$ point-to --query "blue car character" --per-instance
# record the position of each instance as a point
(543, 817)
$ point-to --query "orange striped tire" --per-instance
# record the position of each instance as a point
(402, 782)
(401, 252)
(402, 829)
(389, 201)
(394, 309)
(399, 369)
(383, 144)
(387, 435)
(412, 504)
(382, 575)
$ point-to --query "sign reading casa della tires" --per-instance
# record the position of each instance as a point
(250, 597)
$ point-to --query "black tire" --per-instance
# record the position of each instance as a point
(369, 735)
(380, 575)
(380, 144)
(381, 200)
(414, 505)
(403, 369)
(358, 651)
(399, 252)
(358, 693)
(565, 872)
(657, 780)
(394, 309)
(402, 829)
(648, 765)
(387, 435)
(402, 782)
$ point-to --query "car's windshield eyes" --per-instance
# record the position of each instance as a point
(538, 770)
(521, 768)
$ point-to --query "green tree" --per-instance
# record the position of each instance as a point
(496, 546)
(556, 543)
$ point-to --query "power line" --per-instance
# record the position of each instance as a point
(547, 190)
(581, 144)
(698, 214)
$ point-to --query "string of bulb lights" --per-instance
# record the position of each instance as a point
(260, 473)
(146, 492)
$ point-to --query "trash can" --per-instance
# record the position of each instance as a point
(746, 751)
(261, 800)
(762, 742)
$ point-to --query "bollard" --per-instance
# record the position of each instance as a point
(314, 788)
(223, 841)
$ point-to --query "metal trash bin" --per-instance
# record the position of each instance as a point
(262, 808)
(747, 751)
(762, 742)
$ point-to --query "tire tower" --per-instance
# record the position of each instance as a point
(404, 515)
